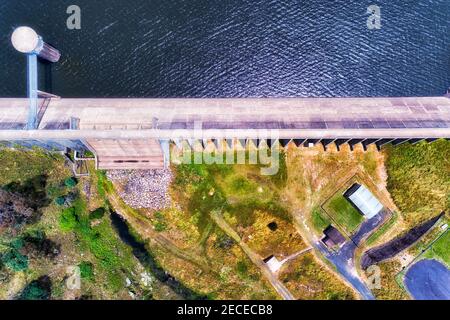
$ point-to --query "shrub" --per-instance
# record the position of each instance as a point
(68, 219)
(15, 261)
(97, 213)
(242, 268)
(70, 182)
(60, 201)
(37, 245)
(86, 270)
(160, 226)
(39, 289)
(17, 243)
(224, 241)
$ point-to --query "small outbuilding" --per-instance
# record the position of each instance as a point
(332, 237)
(363, 200)
(273, 263)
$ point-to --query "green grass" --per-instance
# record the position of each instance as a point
(419, 179)
(20, 166)
(385, 227)
(319, 220)
(440, 249)
(110, 253)
(86, 270)
(344, 213)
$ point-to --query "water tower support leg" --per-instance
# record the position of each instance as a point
(32, 90)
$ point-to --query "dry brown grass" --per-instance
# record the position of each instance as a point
(309, 280)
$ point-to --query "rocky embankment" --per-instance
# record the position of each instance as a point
(143, 188)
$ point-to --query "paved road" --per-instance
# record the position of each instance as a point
(345, 267)
(344, 258)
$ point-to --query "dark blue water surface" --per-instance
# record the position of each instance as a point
(428, 280)
(227, 48)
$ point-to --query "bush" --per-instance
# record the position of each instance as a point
(39, 289)
(160, 226)
(224, 241)
(60, 201)
(242, 268)
(97, 213)
(70, 182)
(68, 219)
(15, 261)
(86, 270)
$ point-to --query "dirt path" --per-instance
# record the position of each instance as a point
(253, 256)
(295, 255)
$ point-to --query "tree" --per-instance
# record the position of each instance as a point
(60, 201)
(97, 213)
(39, 289)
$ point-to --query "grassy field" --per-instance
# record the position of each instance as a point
(181, 240)
(440, 249)
(343, 213)
(320, 220)
(419, 179)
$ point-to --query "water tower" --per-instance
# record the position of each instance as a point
(26, 40)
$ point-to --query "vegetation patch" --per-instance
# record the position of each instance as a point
(390, 288)
(419, 179)
(86, 270)
(39, 289)
(320, 220)
(308, 280)
(343, 213)
(97, 213)
(440, 249)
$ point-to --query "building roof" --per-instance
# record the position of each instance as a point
(332, 237)
(273, 263)
(364, 200)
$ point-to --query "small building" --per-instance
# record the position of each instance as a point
(332, 237)
(363, 200)
(273, 263)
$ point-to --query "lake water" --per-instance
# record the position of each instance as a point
(227, 48)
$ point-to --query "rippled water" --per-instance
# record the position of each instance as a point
(225, 48)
